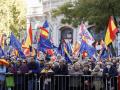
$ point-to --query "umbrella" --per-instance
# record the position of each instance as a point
(4, 62)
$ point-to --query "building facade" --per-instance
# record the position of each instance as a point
(40, 10)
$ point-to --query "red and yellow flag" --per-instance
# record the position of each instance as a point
(111, 31)
(29, 37)
(44, 32)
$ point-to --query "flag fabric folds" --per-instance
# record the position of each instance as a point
(111, 31)
(44, 44)
(17, 45)
(48, 27)
(75, 50)
(69, 48)
(104, 54)
(44, 32)
(45, 25)
(85, 35)
(14, 42)
(62, 49)
(28, 42)
(66, 55)
(91, 51)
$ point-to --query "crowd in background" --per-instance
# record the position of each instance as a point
(106, 67)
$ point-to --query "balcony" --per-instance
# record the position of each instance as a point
(53, 4)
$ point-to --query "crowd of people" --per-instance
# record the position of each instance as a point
(61, 67)
(31, 65)
(44, 65)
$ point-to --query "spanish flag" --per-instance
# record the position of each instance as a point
(44, 32)
(28, 41)
(111, 31)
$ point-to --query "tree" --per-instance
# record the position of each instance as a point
(12, 15)
(94, 11)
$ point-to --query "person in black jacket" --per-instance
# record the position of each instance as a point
(109, 73)
(60, 80)
(86, 79)
(110, 70)
(63, 68)
(33, 66)
(33, 70)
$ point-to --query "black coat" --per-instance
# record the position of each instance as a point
(111, 72)
(63, 70)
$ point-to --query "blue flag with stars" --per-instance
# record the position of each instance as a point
(17, 45)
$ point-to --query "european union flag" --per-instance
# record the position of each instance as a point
(14, 42)
(104, 54)
(67, 56)
(89, 49)
(42, 49)
(17, 45)
(44, 44)
(83, 47)
(45, 25)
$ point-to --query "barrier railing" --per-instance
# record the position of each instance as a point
(84, 83)
(57, 82)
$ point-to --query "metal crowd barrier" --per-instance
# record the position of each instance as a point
(84, 82)
(57, 82)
